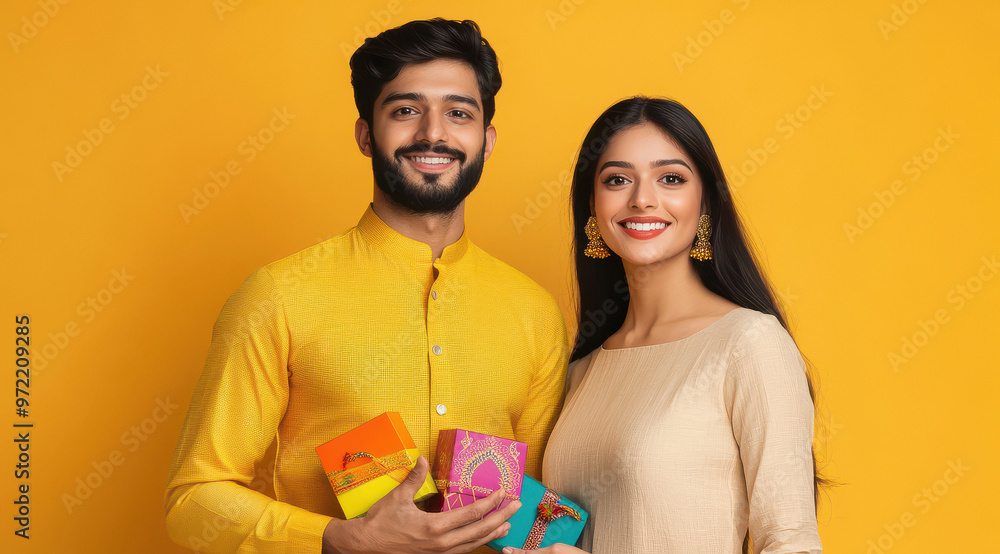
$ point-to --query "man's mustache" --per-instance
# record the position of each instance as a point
(422, 148)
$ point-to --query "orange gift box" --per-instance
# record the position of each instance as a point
(367, 462)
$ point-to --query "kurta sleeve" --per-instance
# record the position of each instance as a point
(772, 416)
(231, 421)
(545, 394)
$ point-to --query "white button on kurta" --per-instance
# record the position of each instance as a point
(441, 409)
(436, 350)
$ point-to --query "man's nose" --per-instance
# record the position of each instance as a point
(432, 129)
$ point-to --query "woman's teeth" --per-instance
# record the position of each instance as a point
(644, 226)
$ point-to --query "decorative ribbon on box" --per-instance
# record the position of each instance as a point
(367, 462)
(470, 466)
(545, 518)
(396, 465)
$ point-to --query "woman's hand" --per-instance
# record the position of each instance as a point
(554, 549)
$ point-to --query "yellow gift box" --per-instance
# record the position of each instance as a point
(367, 462)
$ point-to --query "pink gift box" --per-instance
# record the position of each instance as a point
(470, 466)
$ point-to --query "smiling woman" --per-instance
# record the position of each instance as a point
(646, 186)
(694, 400)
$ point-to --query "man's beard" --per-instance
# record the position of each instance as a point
(429, 197)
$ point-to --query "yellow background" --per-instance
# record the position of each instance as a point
(886, 92)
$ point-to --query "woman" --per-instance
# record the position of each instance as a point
(688, 417)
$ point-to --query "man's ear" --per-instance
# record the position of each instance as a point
(362, 134)
(491, 140)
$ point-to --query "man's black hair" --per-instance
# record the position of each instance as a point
(380, 59)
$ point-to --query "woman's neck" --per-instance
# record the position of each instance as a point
(667, 301)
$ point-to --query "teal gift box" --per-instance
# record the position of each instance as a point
(545, 518)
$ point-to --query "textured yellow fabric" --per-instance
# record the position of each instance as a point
(678, 447)
(317, 343)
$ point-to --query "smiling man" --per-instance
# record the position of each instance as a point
(400, 313)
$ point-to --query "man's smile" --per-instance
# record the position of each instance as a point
(436, 163)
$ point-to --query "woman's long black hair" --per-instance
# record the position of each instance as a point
(733, 273)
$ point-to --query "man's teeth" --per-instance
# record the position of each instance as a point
(424, 160)
(644, 226)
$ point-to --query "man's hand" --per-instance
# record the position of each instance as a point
(395, 524)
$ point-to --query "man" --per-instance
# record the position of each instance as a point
(401, 313)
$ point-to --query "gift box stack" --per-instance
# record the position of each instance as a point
(366, 463)
(471, 465)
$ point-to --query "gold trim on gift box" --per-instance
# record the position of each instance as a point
(475, 453)
(346, 479)
(443, 484)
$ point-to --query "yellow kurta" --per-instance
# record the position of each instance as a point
(317, 343)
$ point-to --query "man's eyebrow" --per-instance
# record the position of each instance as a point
(661, 163)
(414, 96)
(462, 99)
(419, 97)
(615, 163)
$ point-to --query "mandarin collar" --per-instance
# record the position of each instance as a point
(381, 236)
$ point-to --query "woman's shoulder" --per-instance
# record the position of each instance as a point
(761, 344)
(751, 324)
(746, 335)
(746, 325)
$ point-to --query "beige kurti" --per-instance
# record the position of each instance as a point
(678, 447)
